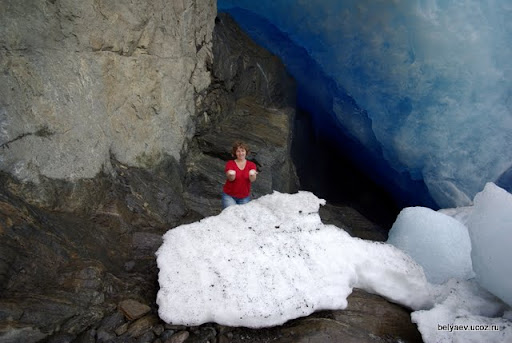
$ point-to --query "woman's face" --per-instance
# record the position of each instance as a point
(240, 153)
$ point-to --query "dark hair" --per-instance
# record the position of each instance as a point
(239, 144)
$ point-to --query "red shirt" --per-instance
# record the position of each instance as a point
(240, 187)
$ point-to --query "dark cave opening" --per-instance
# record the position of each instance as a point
(330, 162)
(327, 171)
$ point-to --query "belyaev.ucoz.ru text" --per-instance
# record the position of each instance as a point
(451, 327)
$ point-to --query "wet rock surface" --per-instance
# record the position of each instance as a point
(251, 98)
(350, 220)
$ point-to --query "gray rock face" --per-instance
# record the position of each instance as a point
(81, 80)
(252, 98)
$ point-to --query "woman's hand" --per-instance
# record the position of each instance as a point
(252, 175)
(231, 175)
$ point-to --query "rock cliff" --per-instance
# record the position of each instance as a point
(83, 80)
(116, 121)
(252, 98)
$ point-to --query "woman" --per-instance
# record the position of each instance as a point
(239, 175)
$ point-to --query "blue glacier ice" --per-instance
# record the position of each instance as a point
(436, 241)
(422, 89)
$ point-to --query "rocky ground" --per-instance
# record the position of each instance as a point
(368, 318)
(78, 297)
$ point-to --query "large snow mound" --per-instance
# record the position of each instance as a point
(272, 260)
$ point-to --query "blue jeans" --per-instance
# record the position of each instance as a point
(228, 200)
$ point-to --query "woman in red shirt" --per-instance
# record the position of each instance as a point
(239, 175)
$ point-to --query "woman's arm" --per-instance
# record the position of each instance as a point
(252, 175)
(231, 175)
